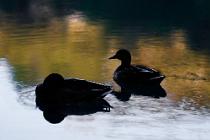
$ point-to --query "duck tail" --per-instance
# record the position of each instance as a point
(158, 79)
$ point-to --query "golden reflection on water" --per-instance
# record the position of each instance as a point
(73, 48)
(187, 71)
(76, 47)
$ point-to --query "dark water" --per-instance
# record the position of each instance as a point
(75, 38)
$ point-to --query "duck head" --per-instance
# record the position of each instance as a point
(124, 56)
(53, 80)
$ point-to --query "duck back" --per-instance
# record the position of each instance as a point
(83, 88)
(138, 75)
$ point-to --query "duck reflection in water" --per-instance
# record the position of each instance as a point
(58, 97)
(155, 91)
(136, 79)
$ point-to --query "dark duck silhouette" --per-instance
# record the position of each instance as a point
(135, 78)
(58, 97)
(70, 89)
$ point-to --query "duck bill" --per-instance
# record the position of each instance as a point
(113, 57)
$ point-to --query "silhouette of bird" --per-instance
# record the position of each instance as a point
(71, 89)
(129, 76)
(58, 97)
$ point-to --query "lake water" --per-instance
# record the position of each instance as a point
(75, 38)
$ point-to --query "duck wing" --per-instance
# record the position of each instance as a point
(145, 69)
(137, 74)
(80, 84)
(148, 74)
(83, 88)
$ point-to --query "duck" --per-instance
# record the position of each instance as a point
(129, 75)
(58, 97)
(59, 92)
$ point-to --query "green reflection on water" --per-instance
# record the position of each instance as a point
(77, 47)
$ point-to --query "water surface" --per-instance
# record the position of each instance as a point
(75, 40)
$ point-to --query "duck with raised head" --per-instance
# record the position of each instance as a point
(131, 76)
